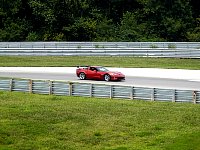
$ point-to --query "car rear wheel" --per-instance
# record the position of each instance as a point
(107, 77)
(82, 76)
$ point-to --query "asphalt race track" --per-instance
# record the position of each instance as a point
(153, 82)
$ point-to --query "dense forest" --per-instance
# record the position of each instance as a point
(100, 20)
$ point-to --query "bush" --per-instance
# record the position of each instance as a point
(153, 46)
(171, 45)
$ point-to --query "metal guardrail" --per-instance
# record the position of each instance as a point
(99, 90)
(79, 45)
(142, 52)
(141, 49)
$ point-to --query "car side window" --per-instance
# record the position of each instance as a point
(93, 69)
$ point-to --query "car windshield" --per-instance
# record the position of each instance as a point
(102, 69)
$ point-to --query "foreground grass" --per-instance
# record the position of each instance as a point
(131, 62)
(29, 121)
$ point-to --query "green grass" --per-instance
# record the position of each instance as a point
(138, 62)
(31, 121)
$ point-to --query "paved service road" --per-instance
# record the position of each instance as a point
(130, 80)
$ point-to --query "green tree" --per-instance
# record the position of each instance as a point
(107, 31)
(193, 35)
(14, 26)
(99, 20)
(83, 29)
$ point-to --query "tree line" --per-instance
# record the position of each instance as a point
(100, 20)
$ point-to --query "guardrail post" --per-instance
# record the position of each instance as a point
(91, 89)
(131, 93)
(111, 91)
(30, 86)
(70, 89)
(173, 95)
(50, 87)
(194, 97)
(11, 85)
(153, 94)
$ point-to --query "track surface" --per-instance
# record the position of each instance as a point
(152, 82)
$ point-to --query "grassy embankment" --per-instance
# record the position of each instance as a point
(57, 61)
(30, 121)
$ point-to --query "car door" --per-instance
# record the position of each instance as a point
(99, 74)
(92, 73)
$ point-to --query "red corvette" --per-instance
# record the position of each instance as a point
(98, 73)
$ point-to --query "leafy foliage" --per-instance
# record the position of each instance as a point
(99, 20)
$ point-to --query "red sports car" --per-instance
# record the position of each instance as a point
(98, 73)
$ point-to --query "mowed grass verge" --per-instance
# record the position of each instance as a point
(67, 61)
(31, 121)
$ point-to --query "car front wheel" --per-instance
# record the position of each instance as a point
(107, 77)
(82, 76)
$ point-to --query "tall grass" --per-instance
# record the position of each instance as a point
(30, 121)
